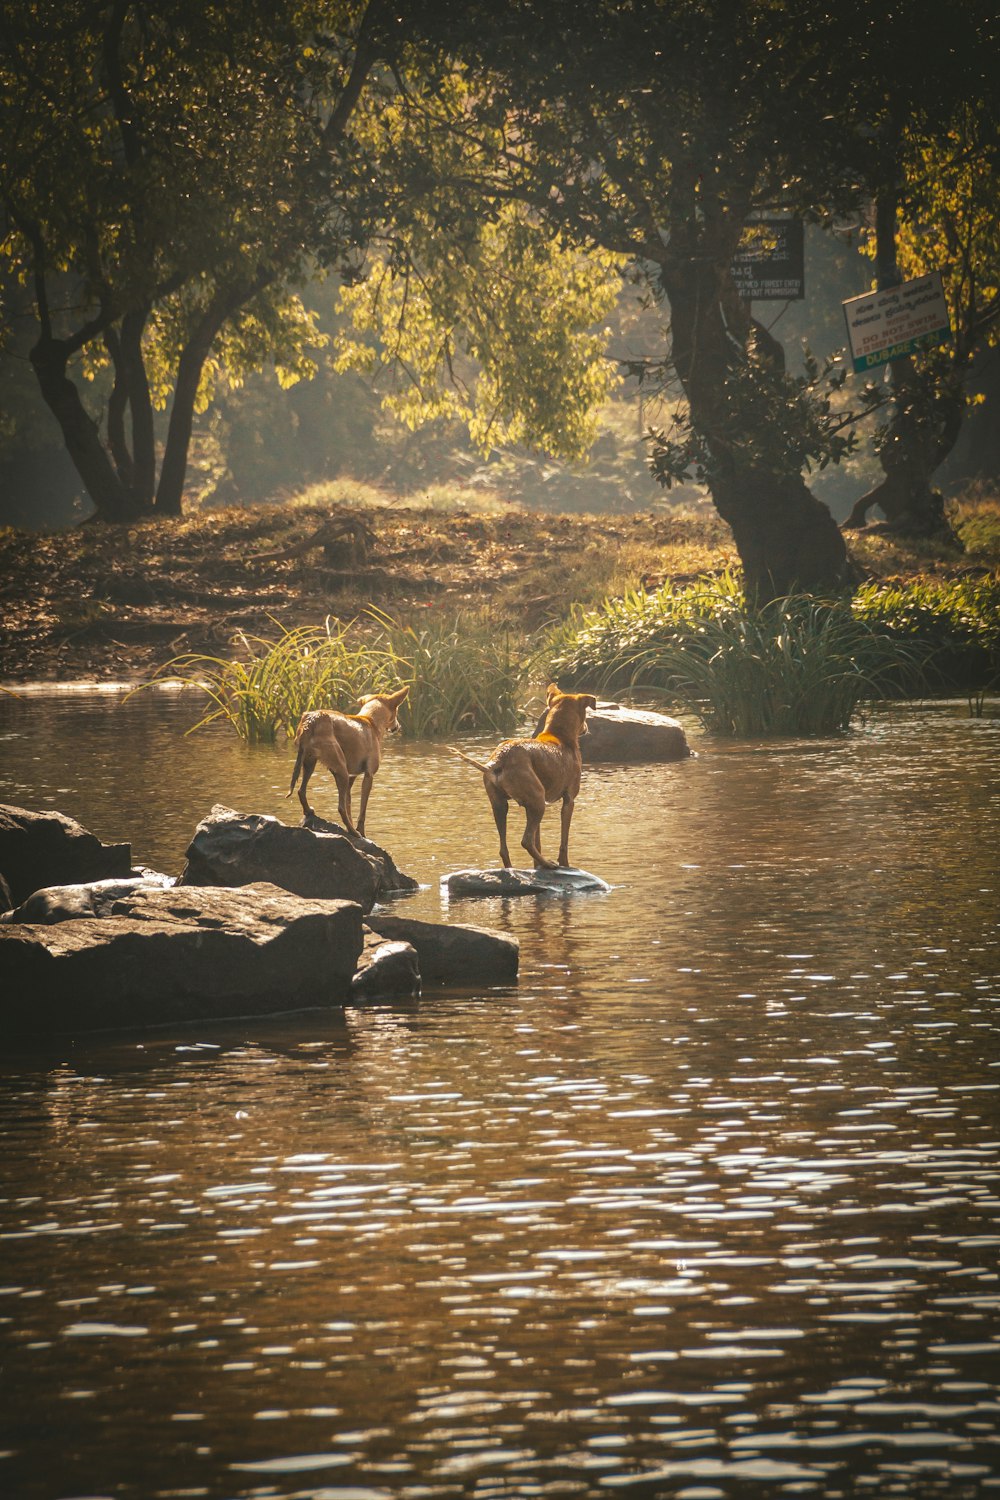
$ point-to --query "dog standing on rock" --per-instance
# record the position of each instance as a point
(534, 772)
(349, 745)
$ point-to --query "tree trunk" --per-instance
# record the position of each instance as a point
(917, 441)
(170, 490)
(80, 434)
(141, 408)
(787, 539)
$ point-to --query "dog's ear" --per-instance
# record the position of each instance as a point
(396, 698)
(552, 692)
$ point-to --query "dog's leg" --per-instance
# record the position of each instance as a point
(499, 801)
(308, 767)
(366, 788)
(568, 803)
(344, 799)
(534, 809)
(531, 795)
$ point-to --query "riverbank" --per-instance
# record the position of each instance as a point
(113, 604)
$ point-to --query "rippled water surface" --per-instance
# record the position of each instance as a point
(707, 1206)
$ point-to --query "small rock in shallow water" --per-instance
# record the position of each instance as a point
(386, 970)
(564, 881)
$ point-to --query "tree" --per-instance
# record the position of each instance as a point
(942, 214)
(658, 130)
(167, 173)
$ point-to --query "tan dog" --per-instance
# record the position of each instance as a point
(349, 745)
(534, 772)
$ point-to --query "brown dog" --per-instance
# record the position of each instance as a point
(349, 745)
(534, 772)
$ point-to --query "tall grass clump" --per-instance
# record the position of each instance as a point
(798, 666)
(954, 624)
(267, 685)
(463, 675)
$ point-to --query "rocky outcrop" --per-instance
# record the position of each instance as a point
(46, 848)
(159, 956)
(235, 849)
(561, 882)
(139, 950)
(450, 953)
(625, 735)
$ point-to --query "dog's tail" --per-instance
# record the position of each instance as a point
(462, 756)
(298, 758)
(295, 773)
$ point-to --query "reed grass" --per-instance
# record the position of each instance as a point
(462, 673)
(799, 666)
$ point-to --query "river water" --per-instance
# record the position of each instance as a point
(706, 1206)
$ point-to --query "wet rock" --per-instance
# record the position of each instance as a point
(236, 849)
(392, 881)
(181, 955)
(40, 849)
(521, 882)
(386, 970)
(624, 735)
(70, 903)
(452, 953)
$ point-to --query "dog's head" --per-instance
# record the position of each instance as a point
(567, 711)
(390, 703)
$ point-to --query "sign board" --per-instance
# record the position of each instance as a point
(769, 264)
(883, 326)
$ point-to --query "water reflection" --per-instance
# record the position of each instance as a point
(707, 1206)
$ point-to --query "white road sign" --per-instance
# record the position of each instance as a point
(883, 326)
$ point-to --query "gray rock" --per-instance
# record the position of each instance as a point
(40, 849)
(70, 903)
(386, 970)
(181, 955)
(452, 953)
(624, 735)
(520, 882)
(392, 880)
(235, 849)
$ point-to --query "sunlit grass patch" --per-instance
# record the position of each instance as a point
(463, 675)
(801, 666)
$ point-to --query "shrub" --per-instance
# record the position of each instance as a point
(800, 666)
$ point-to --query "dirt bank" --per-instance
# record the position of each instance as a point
(114, 603)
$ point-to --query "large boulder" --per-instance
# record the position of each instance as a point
(452, 953)
(624, 735)
(47, 848)
(392, 881)
(163, 956)
(235, 849)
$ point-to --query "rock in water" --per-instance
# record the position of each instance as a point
(393, 881)
(450, 953)
(617, 735)
(47, 848)
(164, 956)
(521, 882)
(386, 971)
(235, 849)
